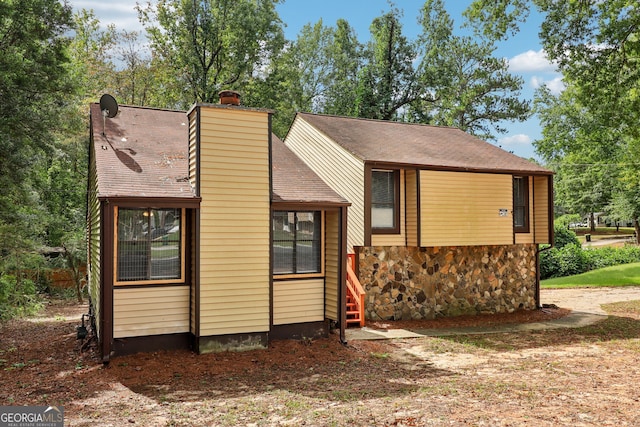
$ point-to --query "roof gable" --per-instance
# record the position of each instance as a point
(293, 181)
(418, 145)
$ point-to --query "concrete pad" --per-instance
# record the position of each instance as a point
(584, 302)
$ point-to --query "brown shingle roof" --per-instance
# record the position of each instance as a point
(418, 145)
(294, 181)
(142, 153)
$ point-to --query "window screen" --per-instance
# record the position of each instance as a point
(296, 242)
(383, 197)
(149, 244)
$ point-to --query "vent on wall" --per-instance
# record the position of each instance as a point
(229, 97)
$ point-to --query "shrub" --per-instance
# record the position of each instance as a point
(608, 256)
(563, 237)
(568, 257)
(17, 297)
(565, 261)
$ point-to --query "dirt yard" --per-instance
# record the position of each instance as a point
(577, 377)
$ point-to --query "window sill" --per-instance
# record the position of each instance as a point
(298, 276)
(141, 283)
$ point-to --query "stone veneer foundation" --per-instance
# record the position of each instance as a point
(403, 283)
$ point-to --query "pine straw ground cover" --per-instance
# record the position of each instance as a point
(577, 377)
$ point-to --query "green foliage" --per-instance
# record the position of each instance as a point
(601, 257)
(570, 258)
(17, 297)
(389, 80)
(214, 44)
(563, 237)
(465, 85)
(565, 261)
(564, 221)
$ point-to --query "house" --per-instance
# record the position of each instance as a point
(441, 223)
(206, 232)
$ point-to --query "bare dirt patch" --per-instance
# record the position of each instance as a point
(582, 377)
(488, 320)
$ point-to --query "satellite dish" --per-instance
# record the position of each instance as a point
(108, 105)
(109, 108)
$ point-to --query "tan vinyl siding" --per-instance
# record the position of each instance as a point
(150, 311)
(461, 208)
(93, 244)
(394, 239)
(541, 212)
(332, 264)
(343, 172)
(191, 240)
(234, 221)
(411, 207)
(193, 148)
(522, 238)
(298, 301)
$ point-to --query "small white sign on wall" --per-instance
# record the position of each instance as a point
(503, 212)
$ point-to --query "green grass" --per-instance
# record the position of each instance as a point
(617, 275)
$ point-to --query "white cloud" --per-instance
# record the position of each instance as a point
(519, 139)
(531, 61)
(122, 13)
(555, 85)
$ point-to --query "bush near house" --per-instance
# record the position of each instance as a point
(568, 257)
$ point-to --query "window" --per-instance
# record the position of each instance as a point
(297, 242)
(149, 244)
(521, 204)
(384, 201)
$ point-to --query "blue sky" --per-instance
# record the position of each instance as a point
(523, 51)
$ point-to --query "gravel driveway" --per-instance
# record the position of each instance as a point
(588, 300)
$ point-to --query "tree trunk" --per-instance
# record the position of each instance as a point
(593, 222)
(636, 227)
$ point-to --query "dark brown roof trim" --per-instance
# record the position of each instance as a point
(318, 206)
(505, 171)
(151, 202)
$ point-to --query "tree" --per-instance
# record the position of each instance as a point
(346, 53)
(37, 86)
(91, 57)
(213, 44)
(596, 45)
(33, 82)
(584, 153)
(315, 73)
(463, 84)
(388, 81)
(134, 82)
